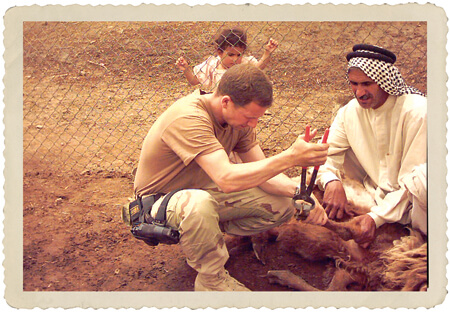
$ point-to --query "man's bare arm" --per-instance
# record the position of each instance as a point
(279, 184)
(235, 177)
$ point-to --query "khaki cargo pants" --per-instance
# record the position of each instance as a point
(202, 216)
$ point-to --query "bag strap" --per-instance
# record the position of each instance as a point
(141, 210)
(161, 214)
(145, 205)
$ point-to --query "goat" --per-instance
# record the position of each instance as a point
(395, 260)
(388, 264)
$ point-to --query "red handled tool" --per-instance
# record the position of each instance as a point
(302, 200)
(316, 168)
(303, 177)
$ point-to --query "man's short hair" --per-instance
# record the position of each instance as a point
(245, 83)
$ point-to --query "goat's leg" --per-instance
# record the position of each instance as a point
(289, 279)
(233, 241)
(357, 253)
(339, 282)
(343, 229)
(259, 243)
(342, 279)
(346, 230)
(237, 244)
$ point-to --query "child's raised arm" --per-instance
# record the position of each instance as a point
(183, 65)
(268, 49)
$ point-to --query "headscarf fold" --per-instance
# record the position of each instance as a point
(378, 64)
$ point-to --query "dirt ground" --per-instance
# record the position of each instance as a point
(76, 241)
(73, 238)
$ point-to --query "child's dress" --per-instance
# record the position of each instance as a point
(209, 74)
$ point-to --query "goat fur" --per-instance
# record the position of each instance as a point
(396, 260)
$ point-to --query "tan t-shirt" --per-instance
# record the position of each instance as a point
(185, 130)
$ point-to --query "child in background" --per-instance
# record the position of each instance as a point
(230, 47)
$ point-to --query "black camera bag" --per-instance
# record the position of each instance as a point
(144, 227)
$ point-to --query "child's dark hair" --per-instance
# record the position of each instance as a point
(234, 37)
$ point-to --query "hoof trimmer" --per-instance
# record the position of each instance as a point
(302, 200)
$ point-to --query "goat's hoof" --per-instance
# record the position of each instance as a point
(259, 250)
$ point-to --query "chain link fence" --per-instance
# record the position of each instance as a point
(92, 90)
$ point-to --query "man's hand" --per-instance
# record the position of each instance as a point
(334, 199)
(182, 64)
(317, 216)
(363, 230)
(308, 154)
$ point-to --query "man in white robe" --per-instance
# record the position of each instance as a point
(379, 138)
